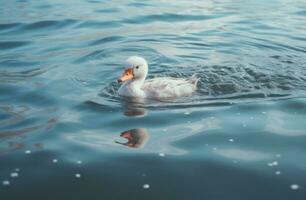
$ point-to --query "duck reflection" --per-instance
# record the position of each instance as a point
(15, 138)
(136, 138)
(133, 107)
(17, 145)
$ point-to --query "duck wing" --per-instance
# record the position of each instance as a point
(167, 87)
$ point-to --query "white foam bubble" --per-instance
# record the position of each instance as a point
(54, 160)
(5, 182)
(277, 172)
(77, 175)
(79, 162)
(231, 140)
(186, 113)
(14, 174)
(294, 186)
(271, 164)
(146, 186)
(161, 154)
(27, 152)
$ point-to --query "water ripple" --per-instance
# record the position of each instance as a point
(106, 40)
(169, 17)
(51, 25)
(6, 76)
(59, 62)
(12, 44)
(48, 24)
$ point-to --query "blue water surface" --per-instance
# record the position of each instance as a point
(65, 134)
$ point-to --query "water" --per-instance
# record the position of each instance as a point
(65, 134)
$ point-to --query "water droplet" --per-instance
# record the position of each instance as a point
(146, 186)
(277, 172)
(78, 175)
(54, 160)
(79, 162)
(14, 174)
(231, 140)
(161, 154)
(275, 163)
(294, 186)
(5, 182)
(27, 152)
(271, 164)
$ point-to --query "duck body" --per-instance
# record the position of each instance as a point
(167, 88)
(135, 84)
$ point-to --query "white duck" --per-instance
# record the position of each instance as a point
(134, 84)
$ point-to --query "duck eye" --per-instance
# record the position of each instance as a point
(137, 67)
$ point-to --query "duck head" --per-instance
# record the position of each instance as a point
(136, 138)
(136, 69)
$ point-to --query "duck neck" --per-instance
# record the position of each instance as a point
(137, 83)
(133, 87)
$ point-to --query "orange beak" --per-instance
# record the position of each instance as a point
(127, 75)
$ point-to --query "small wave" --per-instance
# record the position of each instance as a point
(108, 10)
(128, 50)
(8, 77)
(139, 4)
(18, 63)
(301, 13)
(98, 24)
(229, 80)
(49, 24)
(168, 17)
(12, 44)
(93, 1)
(4, 27)
(106, 40)
(17, 28)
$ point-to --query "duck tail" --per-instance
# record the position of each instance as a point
(194, 79)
